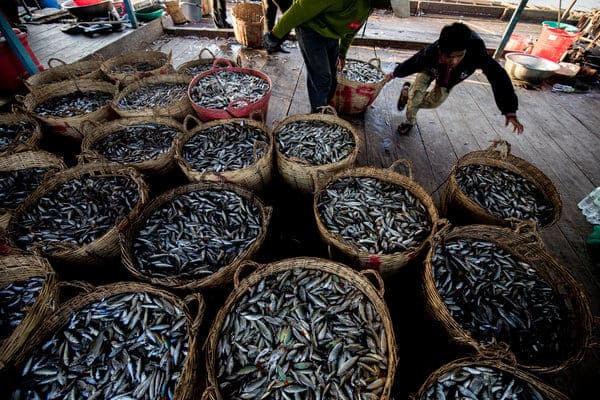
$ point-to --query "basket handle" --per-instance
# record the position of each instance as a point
(199, 314)
(58, 60)
(376, 62)
(327, 110)
(380, 287)
(244, 265)
(218, 61)
(127, 79)
(212, 55)
(441, 227)
(406, 163)
(210, 393)
(20, 98)
(230, 108)
(187, 120)
(502, 147)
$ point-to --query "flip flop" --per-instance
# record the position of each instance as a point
(403, 99)
(404, 128)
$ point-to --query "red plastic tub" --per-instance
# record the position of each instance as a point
(553, 43)
(86, 2)
(12, 72)
(256, 110)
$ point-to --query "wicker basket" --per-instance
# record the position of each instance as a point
(63, 71)
(248, 24)
(105, 247)
(460, 208)
(174, 10)
(25, 160)
(193, 313)
(301, 175)
(161, 63)
(359, 280)
(525, 243)
(32, 143)
(352, 97)
(20, 268)
(253, 177)
(385, 264)
(222, 277)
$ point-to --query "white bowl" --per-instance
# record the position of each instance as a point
(530, 68)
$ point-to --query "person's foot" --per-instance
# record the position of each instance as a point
(403, 99)
(404, 128)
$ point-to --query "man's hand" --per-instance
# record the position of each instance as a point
(514, 121)
(389, 77)
(272, 43)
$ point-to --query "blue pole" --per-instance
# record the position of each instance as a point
(16, 45)
(510, 28)
(130, 13)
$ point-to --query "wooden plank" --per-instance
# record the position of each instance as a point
(582, 107)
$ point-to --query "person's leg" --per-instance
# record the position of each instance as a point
(270, 9)
(435, 97)
(416, 96)
(219, 13)
(321, 77)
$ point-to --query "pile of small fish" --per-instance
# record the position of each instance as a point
(196, 69)
(78, 211)
(154, 95)
(132, 68)
(315, 141)
(15, 300)
(226, 147)
(136, 143)
(221, 88)
(13, 134)
(504, 194)
(127, 346)
(376, 216)
(360, 71)
(16, 185)
(73, 104)
(496, 297)
(196, 234)
(478, 382)
(302, 334)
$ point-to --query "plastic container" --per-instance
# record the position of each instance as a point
(553, 43)
(85, 2)
(12, 72)
(516, 43)
(590, 207)
(50, 4)
(563, 26)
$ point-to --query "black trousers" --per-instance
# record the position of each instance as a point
(219, 13)
(270, 7)
(10, 10)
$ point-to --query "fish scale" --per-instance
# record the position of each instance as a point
(13, 134)
(73, 104)
(132, 344)
(16, 185)
(219, 89)
(267, 348)
(153, 95)
(360, 71)
(225, 147)
(15, 300)
(499, 298)
(376, 216)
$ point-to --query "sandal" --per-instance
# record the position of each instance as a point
(404, 128)
(403, 99)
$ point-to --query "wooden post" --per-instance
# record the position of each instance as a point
(131, 13)
(510, 28)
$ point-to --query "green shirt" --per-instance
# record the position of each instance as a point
(335, 19)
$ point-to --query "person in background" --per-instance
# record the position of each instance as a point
(448, 61)
(219, 14)
(270, 7)
(324, 30)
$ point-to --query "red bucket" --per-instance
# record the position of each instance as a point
(553, 43)
(256, 110)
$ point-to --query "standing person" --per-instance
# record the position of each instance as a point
(270, 7)
(324, 29)
(450, 60)
(219, 14)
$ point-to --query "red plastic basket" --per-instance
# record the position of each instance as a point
(86, 2)
(255, 110)
(553, 43)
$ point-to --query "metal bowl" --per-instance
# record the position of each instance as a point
(88, 13)
(530, 68)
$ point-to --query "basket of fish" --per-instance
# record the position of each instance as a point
(18, 132)
(484, 379)
(498, 289)
(230, 92)
(358, 85)
(144, 143)
(120, 341)
(492, 187)
(63, 106)
(377, 218)
(155, 96)
(194, 236)
(127, 68)
(236, 150)
(304, 328)
(21, 174)
(310, 148)
(75, 216)
(27, 298)
(61, 71)
(200, 64)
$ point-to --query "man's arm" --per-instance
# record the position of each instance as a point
(300, 12)
(423, 59)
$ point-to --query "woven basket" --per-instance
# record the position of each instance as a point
(176, 110)
(301, 175)
(20, 268)
(161, 63)
(220, 278)
(174, 10)
(525, 244)
(253, 177)
(31, 143)
(546, 391)
(100, 250)
(248, 24)
(352, 97)
(25, 160)
(359, 280)
(185, 386)
(207, 63)
(385, 264)
(460, 208)
(63, 71)
(161, 165)
(69, 127)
